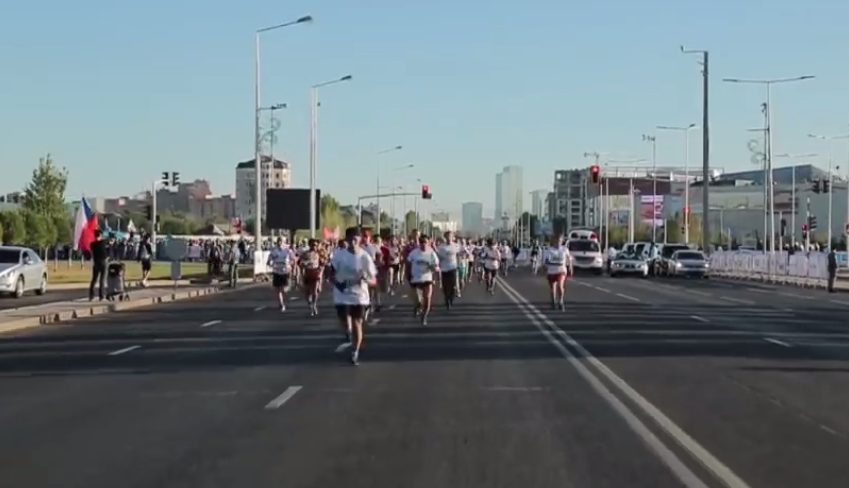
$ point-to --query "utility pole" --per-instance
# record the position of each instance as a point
(705, 144)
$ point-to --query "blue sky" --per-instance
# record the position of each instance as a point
(119, 91)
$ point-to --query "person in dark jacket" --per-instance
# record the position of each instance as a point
(99, 259)
(832, 269)
(145, 257)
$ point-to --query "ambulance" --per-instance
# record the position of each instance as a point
(586, 251)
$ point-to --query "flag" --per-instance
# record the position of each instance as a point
(84, 227)
(131, 227)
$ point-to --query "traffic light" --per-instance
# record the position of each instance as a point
(148, 211)
(165, 178)
(812, 223)
(817, 186)
(783, 226)
(426, 194)
(595, 172)
(826, 186)
(175, 179)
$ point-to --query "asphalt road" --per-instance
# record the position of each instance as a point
(658, 383)
(31, 299)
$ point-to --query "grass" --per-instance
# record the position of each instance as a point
(76, 273)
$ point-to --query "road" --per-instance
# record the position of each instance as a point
(640, 383)
(31, 299)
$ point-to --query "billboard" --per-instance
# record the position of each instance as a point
(289, 208)
(651, 210)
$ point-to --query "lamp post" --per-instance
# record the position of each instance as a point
(705, 142)
(768, 143)
(686, 130)
(653, 141)
(257, 110)
(314, 104)
(793, 191)
(271, 135)
(831, 140)
(385, 151)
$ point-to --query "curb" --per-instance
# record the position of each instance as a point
(112, 307)
(811, 286)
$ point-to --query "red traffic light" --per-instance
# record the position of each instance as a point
(687, 210)
(594, 169)
(425, 188)
(804, 227)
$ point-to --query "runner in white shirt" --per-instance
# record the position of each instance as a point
(558, 263)
(372, 248)
(281, 259)
(506, 257)
(353, 273)
(491, 256)
(464, 262)
(447, 252)
(423, 263)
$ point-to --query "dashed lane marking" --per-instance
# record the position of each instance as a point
(776, 341)
(697, 292)
(738, 300)
(627, 297)
(210, 323)
(258, 309)
(284, 397)
(124, 351)
(700, 319)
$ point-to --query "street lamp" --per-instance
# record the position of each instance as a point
(653, 141)
(631, 195)
(257, 138)
(271, 134)
(686, 130)
(768, 143)
(705, 143)
(314, 146)
(793, 191)
(379, 153)
(831, 140)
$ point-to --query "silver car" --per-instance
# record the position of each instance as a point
(629, 264)
(21, 270)
(688, 263)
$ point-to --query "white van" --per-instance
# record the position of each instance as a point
(586, 251)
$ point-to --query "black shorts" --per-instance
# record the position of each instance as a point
(280, 280)
(396, 268)
(421, 285)
(356, 312)
(146, 265)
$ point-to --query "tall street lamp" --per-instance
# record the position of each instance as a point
(257, 138)
(793, 206)
(705, 143)
(686, 130)
(831, 140)
(768, 143)
(653, 141)
(314, 104)
(385, 151)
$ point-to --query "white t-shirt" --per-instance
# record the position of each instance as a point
(557, 260)
(506, 252)
(422, 264)
(448, 256)
(355, 270)
(491, 258)
(281, 259)
(372, 250)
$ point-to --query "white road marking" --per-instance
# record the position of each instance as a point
(684, 473)
(514, 388)
(343, 346)
(776, 341)
(697, 292)
(603, 289)
(803, 297)
(840, 302)
(757, 290)
(211, 322)
(700, 319)
(123, 351)
(738, 300)
(284, 397)
(375, 321)
(259, 308)
(628, 297)
(392, 307)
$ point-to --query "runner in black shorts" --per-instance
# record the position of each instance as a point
(353, 272)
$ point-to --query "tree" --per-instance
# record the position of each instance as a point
(40, 231)
(14, 229)
(45, 194)
(673, 231)
(330, 215)
(64, 226)
(410, 221)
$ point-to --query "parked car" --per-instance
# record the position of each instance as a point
(666, 252)
(689, 263)
(629, 264)
(21, 270)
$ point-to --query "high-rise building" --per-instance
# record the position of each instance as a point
(509, 195)
(538, 203)
(274, 175)
(473, 218)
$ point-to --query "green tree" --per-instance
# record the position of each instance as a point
(14, 228)
(410, 221)
(45, 194)
(40, 231)
(330, 215)
(64, 226)
(673, 231)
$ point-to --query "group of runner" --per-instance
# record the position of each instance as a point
(363, 269)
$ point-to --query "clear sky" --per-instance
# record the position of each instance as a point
(120, 91)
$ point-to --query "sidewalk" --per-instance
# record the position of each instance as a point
(132, 285)
(51, 313)
(841, 284)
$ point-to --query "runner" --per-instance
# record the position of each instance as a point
(558, 263)
(506, 254)
(491, 260)
(535, 252)
(464, 259)
(312, 266)
(448, 263)
(392, 256)
(281, 259)
(411, 246)
(423, 263)
(370, 246)
(353, 273)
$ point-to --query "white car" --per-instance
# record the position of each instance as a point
(21, 270)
